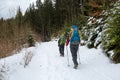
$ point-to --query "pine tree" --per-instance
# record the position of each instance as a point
(114, 32)
(31, 40)
(19, 17)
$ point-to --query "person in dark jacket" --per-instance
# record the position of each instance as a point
(61, 44)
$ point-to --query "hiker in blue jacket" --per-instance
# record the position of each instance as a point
(74, 44)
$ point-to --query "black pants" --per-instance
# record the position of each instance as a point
(61, 49)
(74, 49)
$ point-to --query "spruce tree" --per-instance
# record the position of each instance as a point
(114, 32)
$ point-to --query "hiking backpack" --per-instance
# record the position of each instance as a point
(75, 39)
(62, 40)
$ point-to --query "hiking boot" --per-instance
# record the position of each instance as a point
(75, 66)
(61, 55)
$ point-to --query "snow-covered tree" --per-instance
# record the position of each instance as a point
(112, 42)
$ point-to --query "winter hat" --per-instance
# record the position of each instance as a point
(74, 26)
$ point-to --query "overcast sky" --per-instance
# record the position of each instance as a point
(8, 8)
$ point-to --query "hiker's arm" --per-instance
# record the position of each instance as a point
(67, 41)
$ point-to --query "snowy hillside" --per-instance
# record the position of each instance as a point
(46, 64)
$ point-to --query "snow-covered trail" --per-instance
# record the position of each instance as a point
(48, 65)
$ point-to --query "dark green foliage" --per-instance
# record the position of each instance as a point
(41, 18)
(91, 41)
(31, 41)
(113, 33)
(116, 56)
(47, 18)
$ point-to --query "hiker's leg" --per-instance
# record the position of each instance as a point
(74, 49)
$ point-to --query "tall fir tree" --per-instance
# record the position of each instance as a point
(114, 31)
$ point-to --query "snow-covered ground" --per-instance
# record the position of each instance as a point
(46, 64)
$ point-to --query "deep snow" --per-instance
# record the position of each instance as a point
(46, 64)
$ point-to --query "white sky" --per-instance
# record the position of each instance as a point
(8, 8)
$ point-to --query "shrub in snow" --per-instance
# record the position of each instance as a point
(91, 40)
(31, 41)
(82, 43)
(98, 40)
(94, 38)
(2, 72)
(27, 58)
(2, 77)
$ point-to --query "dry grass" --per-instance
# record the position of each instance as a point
(13, 37)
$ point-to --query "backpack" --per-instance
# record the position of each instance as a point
(75, 39)
(62, 40)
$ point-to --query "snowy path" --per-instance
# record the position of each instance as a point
(48, 65)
